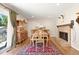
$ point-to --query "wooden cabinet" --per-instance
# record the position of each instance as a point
(22, 33)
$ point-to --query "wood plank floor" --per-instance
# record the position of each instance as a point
(18, 47)
(65, 49)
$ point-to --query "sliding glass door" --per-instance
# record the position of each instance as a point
(3, 30)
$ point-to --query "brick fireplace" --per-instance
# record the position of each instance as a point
(65, 32)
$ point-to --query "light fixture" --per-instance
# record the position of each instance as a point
(58, 4)
(61, 17)
(32, 16)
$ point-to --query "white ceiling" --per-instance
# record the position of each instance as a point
(38, 10)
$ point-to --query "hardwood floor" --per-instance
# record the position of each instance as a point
(64, 48)
(18, 47)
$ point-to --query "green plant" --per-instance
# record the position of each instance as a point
(3, 20)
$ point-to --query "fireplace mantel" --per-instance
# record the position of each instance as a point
(64, 25)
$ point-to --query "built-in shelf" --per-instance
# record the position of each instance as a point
(22, 33)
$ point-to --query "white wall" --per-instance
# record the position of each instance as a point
(49, 23)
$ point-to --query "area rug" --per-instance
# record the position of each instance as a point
(31, 50)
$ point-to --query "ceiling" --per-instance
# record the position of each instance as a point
(40, 10)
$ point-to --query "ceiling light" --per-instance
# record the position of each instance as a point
(32, 16)
(58, 4)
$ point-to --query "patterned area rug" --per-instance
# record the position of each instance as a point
(30, 50)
